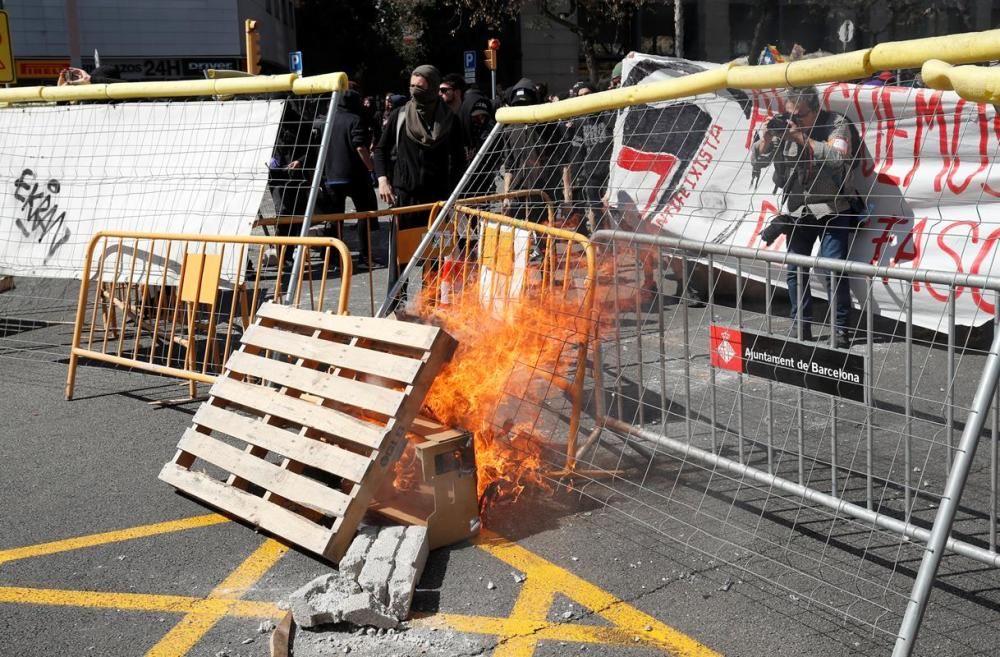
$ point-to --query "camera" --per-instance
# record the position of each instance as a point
(779, 122)
(782, 224)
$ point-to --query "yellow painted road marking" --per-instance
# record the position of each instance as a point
(104, 538)
(545, 631)
(528, 622)
(170, 604)
(189, 631)
(518, 634)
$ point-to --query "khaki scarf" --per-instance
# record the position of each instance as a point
(429, 133)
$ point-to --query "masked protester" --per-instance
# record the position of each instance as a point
(421, 155)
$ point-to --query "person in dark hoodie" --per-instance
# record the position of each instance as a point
(420, 157)
(477, 118)
(477, 121)
(348, 169)
(533, 158)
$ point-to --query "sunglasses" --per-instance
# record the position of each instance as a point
(444, 90)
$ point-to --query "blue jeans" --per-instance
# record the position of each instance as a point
(835, 239)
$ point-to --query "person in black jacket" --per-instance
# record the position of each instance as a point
(420, 157)
(348, 169)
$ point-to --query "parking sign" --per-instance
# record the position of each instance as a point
(470, 65)
(295, 62)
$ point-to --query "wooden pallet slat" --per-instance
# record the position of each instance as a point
(403, 334)
(253, 509)
(368, 396)
(327, 420)
(309, 451)
(368, 361)
(328, 413)
(268, 476)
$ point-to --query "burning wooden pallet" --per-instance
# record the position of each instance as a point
(308, 417)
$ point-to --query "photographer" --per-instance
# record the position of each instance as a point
(812, 153)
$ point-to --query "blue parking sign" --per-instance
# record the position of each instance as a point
(295, 62)
(470, 60)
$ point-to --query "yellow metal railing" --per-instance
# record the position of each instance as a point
(975, 83)
(953, 49)
(259, 84)
(156, 299)
(564, 275)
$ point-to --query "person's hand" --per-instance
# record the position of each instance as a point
(385, 191)
(295, 164)
(73, 76)
(795, 133)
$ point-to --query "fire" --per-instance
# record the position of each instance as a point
(509, 360)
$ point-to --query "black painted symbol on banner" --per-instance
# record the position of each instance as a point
(40, 217)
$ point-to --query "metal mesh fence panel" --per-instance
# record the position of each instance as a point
(814, 455)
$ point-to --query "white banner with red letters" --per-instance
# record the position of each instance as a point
(682, 167)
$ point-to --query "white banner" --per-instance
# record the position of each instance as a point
(932, 192)
(179, 167)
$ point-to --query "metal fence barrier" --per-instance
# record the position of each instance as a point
(177, 304)
(870, 449)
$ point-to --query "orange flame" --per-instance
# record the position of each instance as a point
(507, 363)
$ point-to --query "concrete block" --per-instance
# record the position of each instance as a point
(354, 559)
(414, 548)
(410, 562)
(386, 544)
(374, 578)
(375, 583)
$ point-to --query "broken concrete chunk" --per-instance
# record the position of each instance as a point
(363, 609)
(316, 603)
(376, 583)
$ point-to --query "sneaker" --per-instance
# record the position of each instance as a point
(842, 339)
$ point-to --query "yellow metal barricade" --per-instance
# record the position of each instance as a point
(177, 304)
(543, 276)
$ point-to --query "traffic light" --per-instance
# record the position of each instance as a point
(253, 46)
(490, 54)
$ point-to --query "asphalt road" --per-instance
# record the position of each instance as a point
(98, 557)
(80, 468)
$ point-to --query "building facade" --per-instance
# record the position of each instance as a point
(146, 39)
(724, 30)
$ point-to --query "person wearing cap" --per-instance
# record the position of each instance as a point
(477, 118)
(420, 157)
(533, 161)
(477, 121)
(616, 76)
